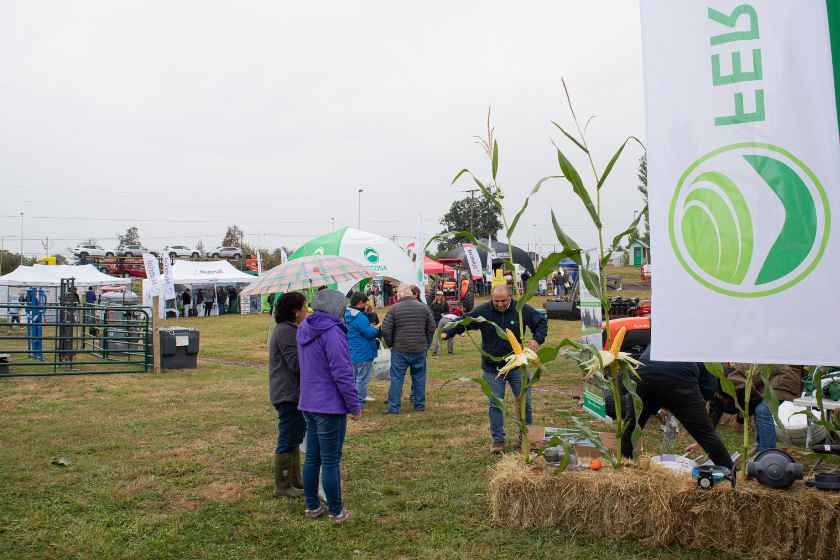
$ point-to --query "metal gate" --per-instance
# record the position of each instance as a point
(72, 338)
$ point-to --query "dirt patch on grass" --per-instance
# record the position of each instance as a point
(227, 491)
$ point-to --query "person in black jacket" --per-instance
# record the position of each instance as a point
(439, 308)
(284, 393)
(501, 310)
(681, 388)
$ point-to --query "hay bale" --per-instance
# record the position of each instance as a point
(798, 524)
(626, 503)
(661, 509)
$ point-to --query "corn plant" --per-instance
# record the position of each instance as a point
(741, 404)
(619, 369)
(590, 358)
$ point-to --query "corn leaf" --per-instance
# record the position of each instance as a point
(616, 241)
(534, 191)
(615, 157)
(466, 321)
(726, 385)
(488, 194)
(770, 396)
(590, 434)
(547, 266)
(567, 242)
(633, 388)
(495, 159)
(485, 388)
(573, 177)
(456, 234)
(570, 137)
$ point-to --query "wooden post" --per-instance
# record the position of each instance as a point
(155, 334)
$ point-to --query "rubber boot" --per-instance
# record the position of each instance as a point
(294, 470)
(282, 474)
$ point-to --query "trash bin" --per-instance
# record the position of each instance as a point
(4, 364)
(178, 348)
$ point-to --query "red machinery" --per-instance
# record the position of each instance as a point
(460, 291)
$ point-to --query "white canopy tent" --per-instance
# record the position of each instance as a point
(208, 273)
(42, 276)
(199, 275)
(49, 277)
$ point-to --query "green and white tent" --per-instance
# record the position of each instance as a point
(385, 257)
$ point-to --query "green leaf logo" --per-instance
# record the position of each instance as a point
(372, 255)
(749, 220)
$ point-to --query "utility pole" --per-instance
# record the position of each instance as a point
(359, 217)
(21, 237)
(472, 206)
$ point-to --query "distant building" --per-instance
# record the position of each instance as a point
(639, 253)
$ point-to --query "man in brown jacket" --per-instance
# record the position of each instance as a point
(786, 382)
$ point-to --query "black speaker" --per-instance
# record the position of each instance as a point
(563, 310)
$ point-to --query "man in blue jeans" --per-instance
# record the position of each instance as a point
(408, 329)
(501, 312)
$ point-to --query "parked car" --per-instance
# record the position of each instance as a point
(181, 251)
(134, 251)
(227, 252)
(84, 251)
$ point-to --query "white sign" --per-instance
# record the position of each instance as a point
(152, 272)
(744, 172)
(590, 306)
(168, 280)
(473, 259)
(491, 254)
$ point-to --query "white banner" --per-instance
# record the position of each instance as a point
(150, 263)
(473, 259)
(591, 316)
(491, 254)
(168, 286)
(744, 172)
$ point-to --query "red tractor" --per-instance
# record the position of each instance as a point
(459, 292)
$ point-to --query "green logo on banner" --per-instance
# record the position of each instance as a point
(749, 220)
(372, 255)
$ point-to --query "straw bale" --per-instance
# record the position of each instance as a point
(661, 509)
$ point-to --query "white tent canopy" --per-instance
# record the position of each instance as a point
(43, 276)
(208, 272)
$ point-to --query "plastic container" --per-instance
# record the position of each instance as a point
(178, 348)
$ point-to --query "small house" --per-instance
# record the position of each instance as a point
(639, 253)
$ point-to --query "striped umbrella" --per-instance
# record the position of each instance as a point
(308, 272)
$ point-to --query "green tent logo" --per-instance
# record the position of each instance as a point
(749, 220)
(319, 251)
(372, 255)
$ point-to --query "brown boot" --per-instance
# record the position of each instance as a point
(282, 468)
(294, 469)
(497, 448)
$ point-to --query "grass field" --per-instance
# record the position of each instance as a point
(178, 465)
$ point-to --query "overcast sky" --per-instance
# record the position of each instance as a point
(184, 117)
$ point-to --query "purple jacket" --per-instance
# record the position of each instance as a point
(326, 373)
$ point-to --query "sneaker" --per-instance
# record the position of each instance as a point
(315, 513)
(497, 448)
(370, 399)
(341, 517)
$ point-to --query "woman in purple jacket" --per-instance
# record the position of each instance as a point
(327, 396)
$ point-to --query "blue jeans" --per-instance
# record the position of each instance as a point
(221, 308)
(290, 427)
(324, 441)
(765, 428)
(361, 376)
(400, 362)
(496, 414)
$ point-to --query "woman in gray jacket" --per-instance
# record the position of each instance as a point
(284, 392)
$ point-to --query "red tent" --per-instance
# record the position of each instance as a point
(431, 266)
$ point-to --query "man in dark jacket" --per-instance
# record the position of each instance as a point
(408, 329)
(681, 388)
(439, 308)
(501, 310)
